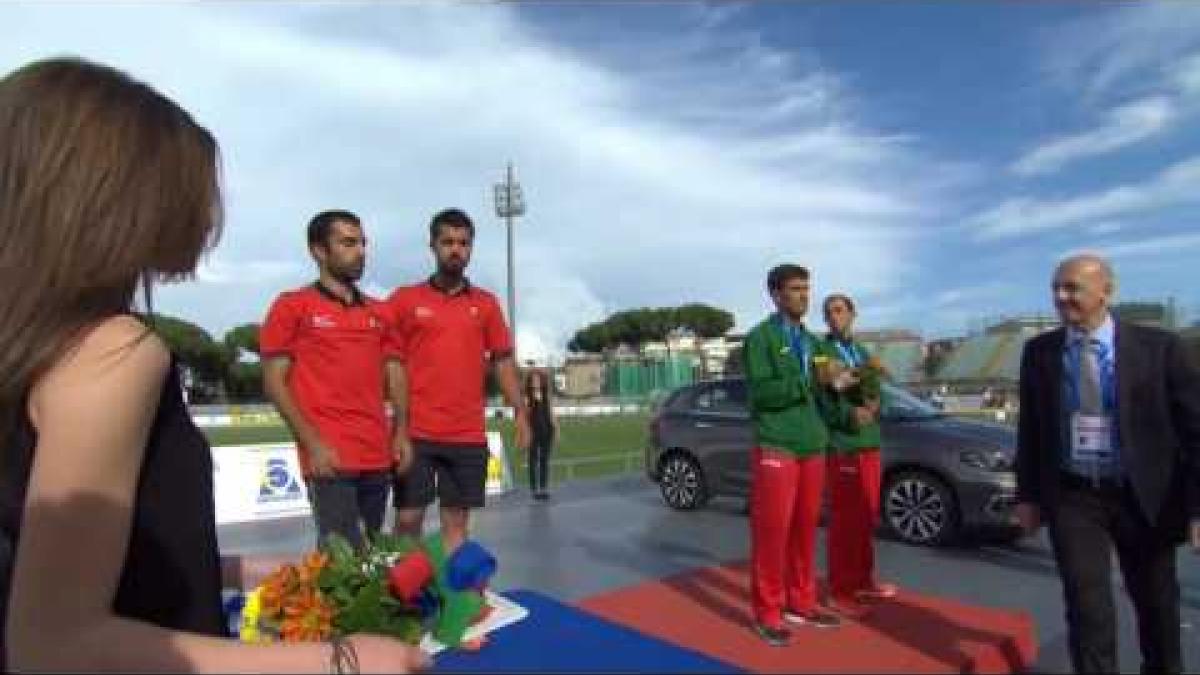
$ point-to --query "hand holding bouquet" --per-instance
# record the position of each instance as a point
(870, 376)
(833, 373)
(396, 587)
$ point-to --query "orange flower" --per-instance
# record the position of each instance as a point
(306, 617)
(288, 575)
(271, 599)
(310, 569)
(278, 587)
(290, 602)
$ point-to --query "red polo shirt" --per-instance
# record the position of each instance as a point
(445, 341)
(337, 372)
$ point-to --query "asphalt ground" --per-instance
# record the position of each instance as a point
(599, 535)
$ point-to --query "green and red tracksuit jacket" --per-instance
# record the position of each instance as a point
(790, 410)
(867, 437)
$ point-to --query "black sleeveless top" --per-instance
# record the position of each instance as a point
(172, 571)
(540, 419)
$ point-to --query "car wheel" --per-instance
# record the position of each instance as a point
(919, 508)
(682, 482)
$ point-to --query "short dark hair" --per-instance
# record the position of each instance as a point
(781, 274)
(450, 218)
(321, 224)
(832, 297)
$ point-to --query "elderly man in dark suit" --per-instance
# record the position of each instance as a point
(1109, 457)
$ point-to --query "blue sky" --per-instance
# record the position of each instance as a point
(932, 159)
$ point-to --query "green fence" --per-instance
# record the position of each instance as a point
(643, 379)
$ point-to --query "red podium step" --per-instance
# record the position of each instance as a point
(707, 610)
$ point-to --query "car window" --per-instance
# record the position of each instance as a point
(899, 404)
(726, 397)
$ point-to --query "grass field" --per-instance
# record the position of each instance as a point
(588, 447)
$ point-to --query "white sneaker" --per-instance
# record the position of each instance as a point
(816, 618)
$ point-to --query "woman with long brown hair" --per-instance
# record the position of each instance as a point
(108, 549)
(544, 428)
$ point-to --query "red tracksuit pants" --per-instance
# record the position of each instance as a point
(853, 516)
(785, 506)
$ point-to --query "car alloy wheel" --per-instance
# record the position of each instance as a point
(682, 483)
(919, 509)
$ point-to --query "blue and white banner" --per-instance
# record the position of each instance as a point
(258, 482)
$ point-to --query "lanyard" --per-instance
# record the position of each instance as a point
(797, 343)
(1108, 376)
(851, 356)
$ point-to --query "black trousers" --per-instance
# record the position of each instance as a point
(1085, 526)
(539, 461)
(348, 504)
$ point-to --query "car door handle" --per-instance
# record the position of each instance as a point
(703, 425)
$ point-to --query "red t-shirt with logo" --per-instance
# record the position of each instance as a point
(446, 341)
(336, 377)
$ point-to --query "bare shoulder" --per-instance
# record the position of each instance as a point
(116, 353)
(123, 338)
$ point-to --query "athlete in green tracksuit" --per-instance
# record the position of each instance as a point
(792, 411)
(854, 475)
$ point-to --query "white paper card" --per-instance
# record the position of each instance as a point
(1091, 438)
(505, 612)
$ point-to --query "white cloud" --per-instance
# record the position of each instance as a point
(1155, 246)
(1140, 64)
(1105, 227)
(223, 272)
(397, 110)
(715, 14)
(1107, 51)
(971, 295)
(1125, 125)
(1186, 77)
(1022, 216)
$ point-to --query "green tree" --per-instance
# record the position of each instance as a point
(636, 326)
(243, 338)
(243, 381)
(704, 320)
(207, 359)
(593, 339)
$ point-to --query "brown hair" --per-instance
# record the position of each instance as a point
(105, 184)
(528, 386)
(834, 297)
(780, 275)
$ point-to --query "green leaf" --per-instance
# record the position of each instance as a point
(340, 551)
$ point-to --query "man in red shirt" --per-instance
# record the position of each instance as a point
(448, 332)
(323, 347)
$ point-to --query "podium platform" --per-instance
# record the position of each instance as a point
(707, 610)
(559, 638)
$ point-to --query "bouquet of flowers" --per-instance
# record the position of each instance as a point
(833, 373)
(870, 381)
(398, 587)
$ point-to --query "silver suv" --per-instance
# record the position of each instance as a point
(941, 475)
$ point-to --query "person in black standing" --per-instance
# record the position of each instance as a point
(1109, 457)
(108, 542)
(544, 426)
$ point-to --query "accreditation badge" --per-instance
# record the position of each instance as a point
(1091, 438)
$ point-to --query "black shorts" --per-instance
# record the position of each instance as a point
(460, 470)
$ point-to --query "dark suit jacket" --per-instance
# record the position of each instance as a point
(1158, 400)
